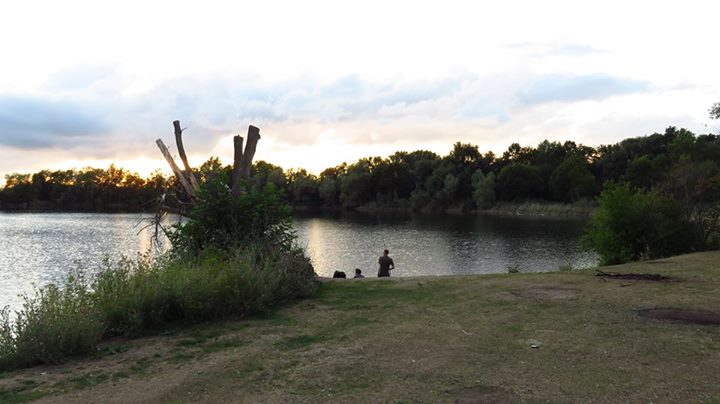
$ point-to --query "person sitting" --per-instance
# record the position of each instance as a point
(339, 274)
(358, 273)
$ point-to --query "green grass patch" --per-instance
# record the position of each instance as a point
(226, 343)
(20, 395)
(140, 366)
(87, 380)
(114, 349)
(181, 357)
(555, 337)
(301, 341)
(120, 375)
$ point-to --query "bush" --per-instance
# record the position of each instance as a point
(631, 225)
(136, 296)
(223, 221)
(55, 324)
(235, 256)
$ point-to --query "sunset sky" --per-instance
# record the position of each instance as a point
(87, 83)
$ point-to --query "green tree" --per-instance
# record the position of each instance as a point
(518, 182)
(303, 187)
(484, 190)
(715, 111)
(632, 224)
(572, 180)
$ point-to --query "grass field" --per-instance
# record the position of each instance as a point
(555, 337)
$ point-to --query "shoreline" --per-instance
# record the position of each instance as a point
(502, 337)
(529, 209)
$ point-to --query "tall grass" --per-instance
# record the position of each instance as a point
(54, 324)
(133, 297)
(582, 208)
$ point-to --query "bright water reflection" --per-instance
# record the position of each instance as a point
(39, 248)
(442, 245)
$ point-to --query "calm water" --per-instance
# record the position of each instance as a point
(38, 248)
(442, 245)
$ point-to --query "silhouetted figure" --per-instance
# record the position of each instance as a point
(339, 274)
(358, 273)
(386, 264)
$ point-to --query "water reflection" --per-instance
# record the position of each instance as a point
(39, 248)
(441, 245)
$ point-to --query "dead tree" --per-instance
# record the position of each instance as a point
(242, 162)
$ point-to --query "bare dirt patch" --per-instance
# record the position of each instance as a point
(546, 293)
(636, 277)
(481, 394)
(702, 317)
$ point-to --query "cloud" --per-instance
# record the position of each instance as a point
(81, 77)
(541, 50)
(568, 87)
(29, 122)
(88, 118)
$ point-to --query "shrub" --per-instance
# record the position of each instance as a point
(223, 221)
(55, 324)
(632, 224)
(484, 190)
(136, 296)
(235, 256)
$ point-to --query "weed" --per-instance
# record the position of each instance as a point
(181, 358)
(115, 349)
(133, 297)
(89, 379)
(301, 341)
(225, 343)
(20, 395)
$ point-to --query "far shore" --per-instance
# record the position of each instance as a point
(529, 209)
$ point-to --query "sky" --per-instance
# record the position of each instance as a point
(90, 83)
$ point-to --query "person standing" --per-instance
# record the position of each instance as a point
(386, 264)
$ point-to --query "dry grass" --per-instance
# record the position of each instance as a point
(558, 337)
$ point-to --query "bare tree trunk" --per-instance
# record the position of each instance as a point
(183, 156)
(246, 162)
(241, 163)
(237, 159)
(178, 173)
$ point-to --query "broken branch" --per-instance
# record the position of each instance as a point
(176, 170)
(183, 156)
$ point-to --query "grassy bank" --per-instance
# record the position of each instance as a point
(558, 337)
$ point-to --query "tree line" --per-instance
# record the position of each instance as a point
(677, 163)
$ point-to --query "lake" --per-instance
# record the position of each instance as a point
(39, 248)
